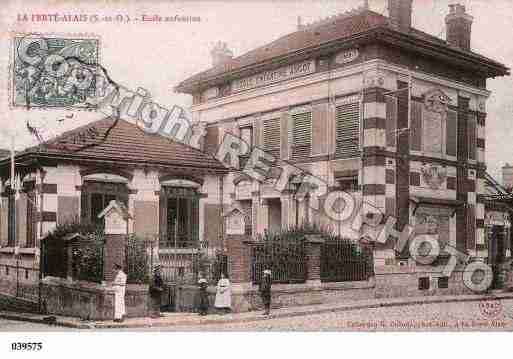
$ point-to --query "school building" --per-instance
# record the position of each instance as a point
(389, 113)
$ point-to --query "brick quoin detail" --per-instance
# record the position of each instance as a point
(462, 175)
(114, 252)
(239, 258)
(403, 163)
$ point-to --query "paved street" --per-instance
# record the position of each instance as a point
(490, 316)
(440, 316)
(14, 325)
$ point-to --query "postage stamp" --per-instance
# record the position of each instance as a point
(490, 308)
(53, 72)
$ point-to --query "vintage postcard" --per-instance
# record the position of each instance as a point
(255, 166)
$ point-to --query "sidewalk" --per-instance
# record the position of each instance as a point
(192, 319)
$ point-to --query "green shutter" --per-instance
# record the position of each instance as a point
(285, 118)
(195, 218)
(451, 131)
(472, 135)
(391, 121)
(301, 135)
(416, 126)
(272, 136)
(347, 130)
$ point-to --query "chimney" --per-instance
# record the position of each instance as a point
(399, 12)
(459, 25)
(300, 25)
(221, 54)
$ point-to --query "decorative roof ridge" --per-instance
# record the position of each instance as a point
(340, 16)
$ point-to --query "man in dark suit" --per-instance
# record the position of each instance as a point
(156, 289)
(265, 291)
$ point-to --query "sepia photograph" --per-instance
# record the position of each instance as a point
(229, 167)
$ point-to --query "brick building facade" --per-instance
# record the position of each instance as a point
(166, 186)
(372, 106)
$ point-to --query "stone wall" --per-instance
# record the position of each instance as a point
(10, 303)
(247, 297)
(403, 281)
(90, 300)
(19, 277)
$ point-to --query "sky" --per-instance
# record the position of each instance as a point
(157, 56)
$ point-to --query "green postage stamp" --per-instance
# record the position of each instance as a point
(54, 72)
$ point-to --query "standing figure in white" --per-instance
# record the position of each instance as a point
(223, 295)
(119, 285)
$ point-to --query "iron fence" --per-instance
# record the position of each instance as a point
(284, 256)
(344, 261)
(26, 284)
(138, 253)
(54, 258)
(184, 267)
(87, 260)
(81, 258)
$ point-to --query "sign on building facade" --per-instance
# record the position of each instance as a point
(269, 77)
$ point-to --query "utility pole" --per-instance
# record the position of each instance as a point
(13, 191)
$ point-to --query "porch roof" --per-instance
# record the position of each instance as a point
(112, 141)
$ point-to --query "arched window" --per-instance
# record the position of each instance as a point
(179, 213)
(97, 191)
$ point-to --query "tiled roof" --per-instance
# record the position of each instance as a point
(4, 153)
(338, 27)
(121, 141)
(333, 28)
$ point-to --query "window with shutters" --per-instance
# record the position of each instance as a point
(247, 209)
(432, 133)
(11, 208)
(391, 121)
(348, 184)
(451, 133)
(179, 211)
(347, 135)
(301, 135)
(246, 134)
(31, 213)
(272, 137)
(97, 195)
(472, 135)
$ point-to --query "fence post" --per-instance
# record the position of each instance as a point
(42, 268)
(69, 262)
(17, 277)
(239, 258)
(313, 259)
(102, 265)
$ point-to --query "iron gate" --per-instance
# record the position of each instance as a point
(285, 257)
(181, 267)
(343, 261)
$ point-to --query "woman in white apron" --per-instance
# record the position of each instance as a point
(223, 294)
(119, 285)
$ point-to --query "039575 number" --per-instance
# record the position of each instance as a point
(26, 346)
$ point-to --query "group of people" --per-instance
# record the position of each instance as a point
(223, 294)
(222, 301)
